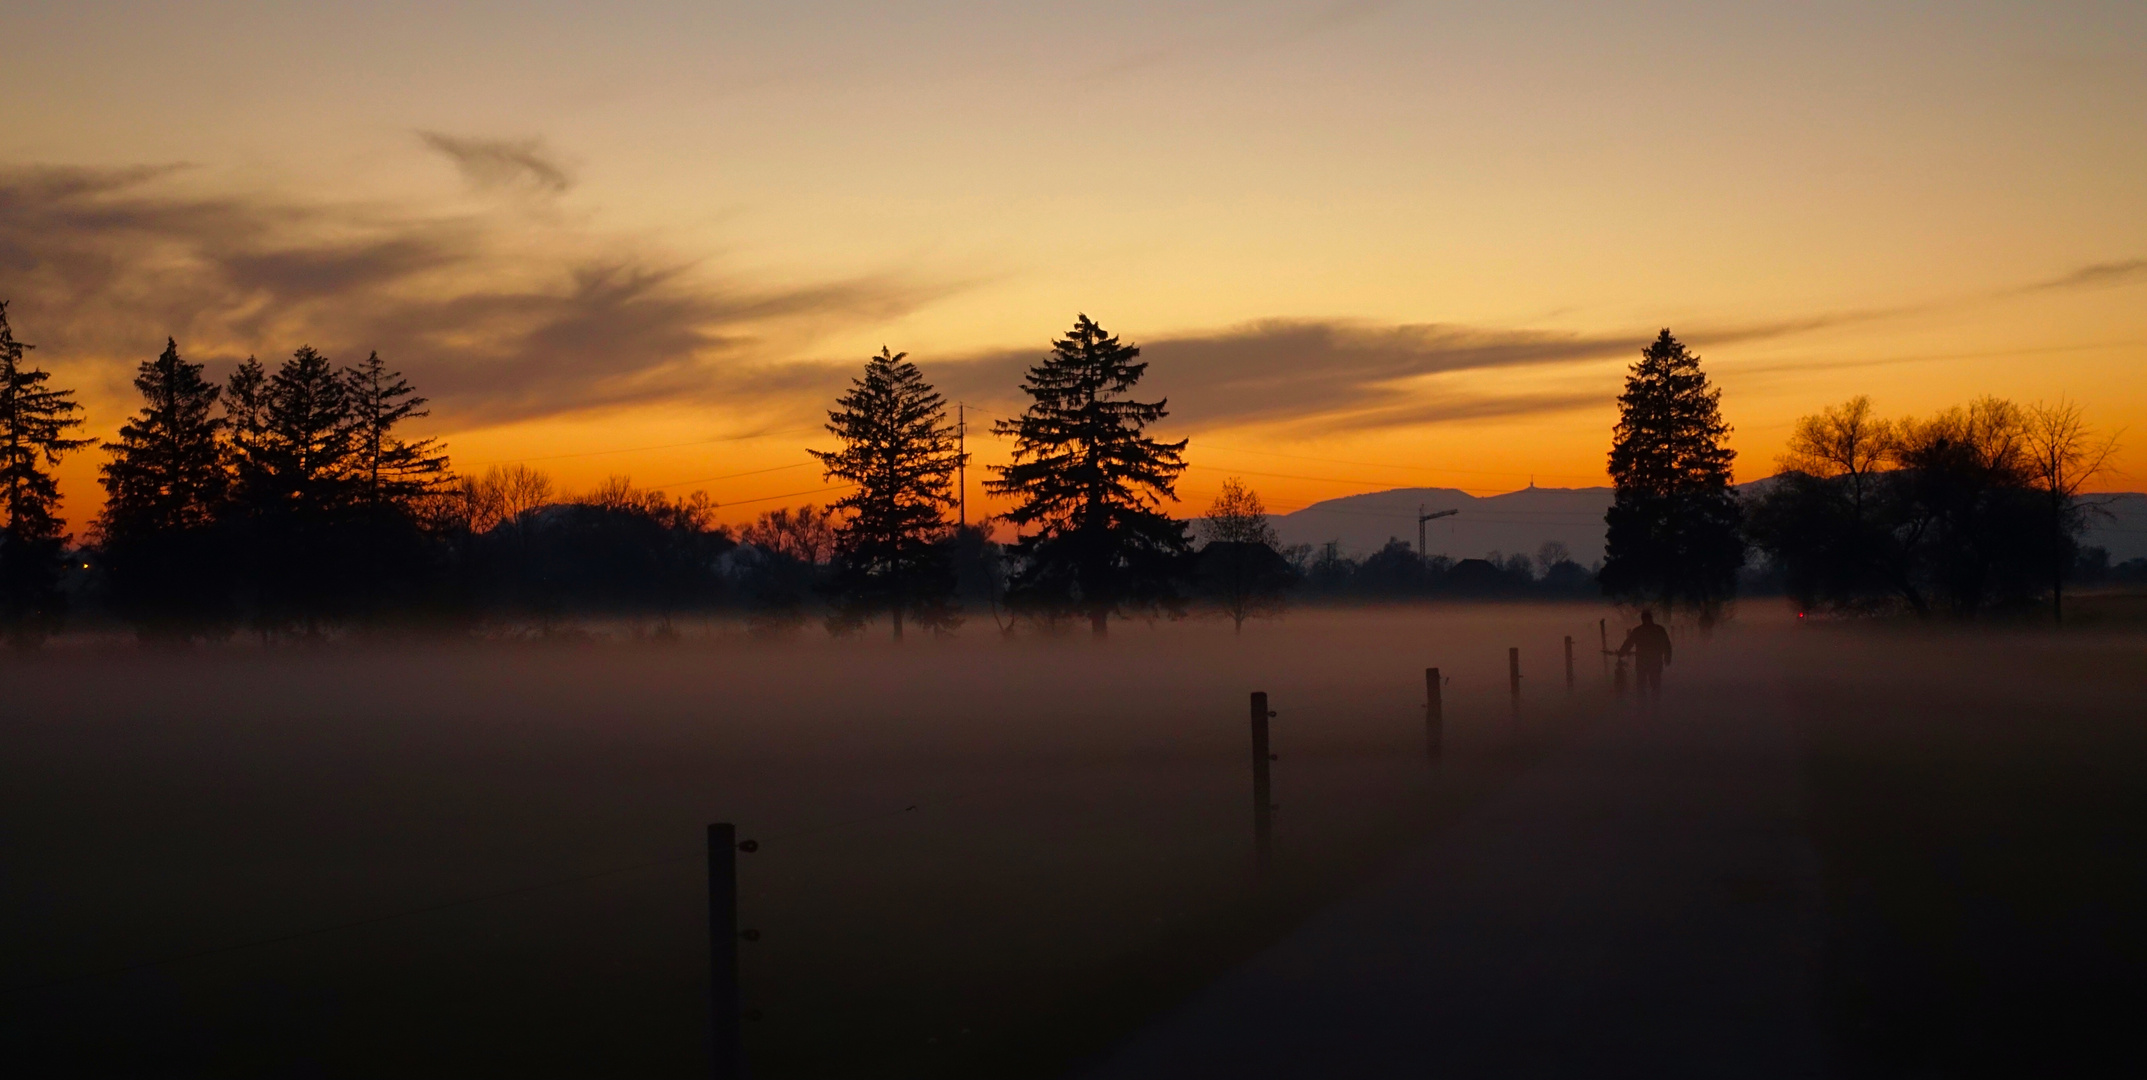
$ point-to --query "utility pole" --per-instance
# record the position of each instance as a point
(961, 461)
(1421, 518)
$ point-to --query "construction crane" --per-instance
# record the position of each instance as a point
(1421, 518)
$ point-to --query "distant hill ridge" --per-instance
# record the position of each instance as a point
(1519, 522)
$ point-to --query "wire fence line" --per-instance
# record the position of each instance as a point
(480, 898)
(352, 924)
(746, 843)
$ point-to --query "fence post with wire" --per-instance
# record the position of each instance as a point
(1263, 807)
(726, 1035)
(1434, 715)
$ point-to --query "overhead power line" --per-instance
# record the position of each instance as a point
(1389, 465)
(1293, 476)
(785, 495)
(731, 476)
(640, 449)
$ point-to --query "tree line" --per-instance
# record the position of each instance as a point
(292, 503)
(1975, 509)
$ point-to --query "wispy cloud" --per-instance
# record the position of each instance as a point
(500, 317)
(1335, 15)
(1312, 376)
(2123, 272)
(1742, 333)
(1284, 371)
(495, 317)
(502, 164)
(1229, 32)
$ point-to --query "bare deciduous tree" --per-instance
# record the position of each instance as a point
(1237, 516)
(2063, 454)
(1843, 440)
(504, 496)
(806, 533)
(1240, 567)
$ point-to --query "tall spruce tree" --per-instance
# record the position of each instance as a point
(390, 473)
(899, 451)
(165, 482)
(308, 437)
(294, 443)
(1674, 527)
(246, 429)
(34, 420)
(1092, 483)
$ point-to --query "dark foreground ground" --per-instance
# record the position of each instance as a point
(1643, 902)
(978, 857)
(1000, 859)
(1861, 851)
(1980, 807)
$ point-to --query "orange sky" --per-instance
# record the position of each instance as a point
(1366, 244)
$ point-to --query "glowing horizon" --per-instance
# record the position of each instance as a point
(1363, 245)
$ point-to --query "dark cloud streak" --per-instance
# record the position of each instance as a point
(492, 320)
(502, 164)
(499, 318)
(1232, 37)
(1282, 372)
(2124, 272)
(1305, 377)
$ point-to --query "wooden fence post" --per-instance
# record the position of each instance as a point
(726, 1038)
(1434, 714)
(1569, 663)
(1263, 806)
(1513, 674)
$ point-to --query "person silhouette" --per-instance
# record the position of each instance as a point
(1649, 645)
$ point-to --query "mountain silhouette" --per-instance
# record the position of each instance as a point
(1519, 522)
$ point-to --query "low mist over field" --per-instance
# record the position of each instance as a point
(1295, 539)
(978, 856)
(1075, 807)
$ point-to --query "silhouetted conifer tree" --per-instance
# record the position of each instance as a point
(1093, 483)
(899, 450)
(388, 470)
(295, 442)
(33, 424)
(393, 481)
(308, 436)
(1674, 535)
(165, 483)
(246, 428)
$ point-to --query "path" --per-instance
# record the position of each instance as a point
(1643, 903)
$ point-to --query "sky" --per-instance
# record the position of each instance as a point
(1362, 244)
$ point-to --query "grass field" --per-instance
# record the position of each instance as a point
(1980, 806)
(980, 857)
